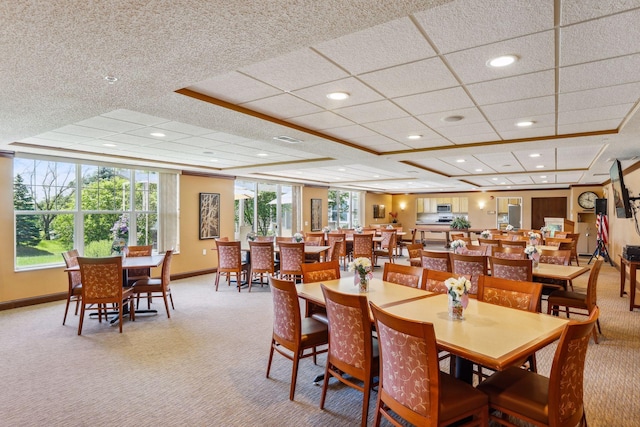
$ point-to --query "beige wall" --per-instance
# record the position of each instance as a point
(371, 199)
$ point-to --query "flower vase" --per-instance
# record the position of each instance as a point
(362, 282)
(456, 308)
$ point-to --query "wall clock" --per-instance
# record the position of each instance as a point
(587, 200)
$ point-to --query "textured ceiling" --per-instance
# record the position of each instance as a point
(221, 79)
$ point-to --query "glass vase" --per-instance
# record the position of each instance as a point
(456, 308)
(362, 282)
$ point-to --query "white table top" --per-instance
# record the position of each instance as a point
(556, 271)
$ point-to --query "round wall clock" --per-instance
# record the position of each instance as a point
(587, 200)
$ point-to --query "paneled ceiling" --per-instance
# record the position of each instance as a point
(209, 86)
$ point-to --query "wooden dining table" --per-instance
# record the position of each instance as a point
(565, 273)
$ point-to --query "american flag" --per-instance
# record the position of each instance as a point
(602, 224)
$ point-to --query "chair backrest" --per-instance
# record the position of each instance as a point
(101, 279)
(509, 252)
(291, 257)
(286, 313)
(415, 250)
(334, 237)
(523, 295)
(514, 244)
(433, 260)
(229, 255)
(560, 257)
(592, 284)
(457, 236)
(434, 280)
(553, 241)
(489, 242)
(363, 246)
(335, 250)
(265, 239)
(71, 260)
(566, 380)
(404, 275)
(261, 256)
(140, 250)
(408, 361)
(512, 269)
(166, 268)
(280, 239)
(350, 339)
(320, 271)
(473, 265)
(477, 250)
(314, 240)
(387, 236)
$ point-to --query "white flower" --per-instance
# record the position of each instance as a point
(457, 287)
(458, 244)
(361, 265)
(544, 229)
(298, 237)
(326, 229)
(529, 250)
(485, 234)
(509, 227)
(389, 227)
(358, 229)
(533, 235)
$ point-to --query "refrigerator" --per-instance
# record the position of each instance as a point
(515, 214)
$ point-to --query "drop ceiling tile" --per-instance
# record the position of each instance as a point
(501, 162)
(589, 127)
(84, 131)
(64, 137)
(372, 112)
(109, 124)
(295, 70)
(521, 108)
(184, 128)
(441, 167)
(609, 72)
(376, 142)
(201, 142)
(578, 157)
(434, 102)
(612, 95)
(513, 88)
(45, 142)
(428, 143)
(463, 24)
(404, 125)
(422, 76)
(225, 137)
(168, 134)
(359, 93)
(282, 106)
(541, 121)
(349, 132)
(177, 147)
(436, 120)
(235, 87)
(594, 114)
(467, 129)
(124, 138)
(472, 139)
(532, 132)
(602, 38)
(581, 10)
(385, 45)
(535, 53)
(134, 117)
(321, 121)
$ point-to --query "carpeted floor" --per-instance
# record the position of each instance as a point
(206, 366)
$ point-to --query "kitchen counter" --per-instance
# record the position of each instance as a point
(443, 228)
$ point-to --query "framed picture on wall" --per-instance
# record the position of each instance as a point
(316, 214)
(209, 215)
(378, 211)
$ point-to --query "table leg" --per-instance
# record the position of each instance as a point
(464, 369)
(632, 286)
(623, 273)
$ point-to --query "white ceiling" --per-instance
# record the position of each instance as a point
(220, 79)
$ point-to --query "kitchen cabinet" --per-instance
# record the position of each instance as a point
(464, 205)
(420, 205)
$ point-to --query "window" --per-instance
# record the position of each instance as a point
(59, 206)
(344, 209)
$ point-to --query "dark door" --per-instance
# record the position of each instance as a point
(547, 207)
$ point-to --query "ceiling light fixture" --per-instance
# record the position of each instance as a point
(502, 61)
(525, 123)
(262, 154)
(109, 144)
(288, 139)
(539, 166)
(414, 137)
(460, 161)
(478, 170)
(338, 96)
(543, 176)
(111, 79)
(534, 155)
(158, 134)
(452, 118)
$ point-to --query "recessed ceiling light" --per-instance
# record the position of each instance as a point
(460, 161)
(539, 166)
(545, 181)
(338, 96)
(455, 118)
(158, 134)
(495, 179)
(525, 123)
(109, 144)
(376, 176)
(288, 139)
(543, 176)
(262, 154)
(111, 79)
(213, 160)
(342, 169)
(478, 170)
(534, 155)
(414, 137)
(502, 61)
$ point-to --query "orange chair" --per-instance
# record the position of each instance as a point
(293, 335)
(352, 349)
(102, 285)
(585, 304)
(472, 265)
(363, 246)
(512, 269)
(230, 262)
(404, 275)
(388, 247)
(415, 254)
(318, 272)
(291, 260)
(556, 400)
(157, 286)
(433, 260)
(262, 261)
(411, 383)
(74, 292)
(339, 239)
(434, 280)
(135, 274)
(509, 252)
(514, 244)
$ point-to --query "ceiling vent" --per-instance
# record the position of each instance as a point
(288, 139)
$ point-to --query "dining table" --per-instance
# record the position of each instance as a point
(564, 273)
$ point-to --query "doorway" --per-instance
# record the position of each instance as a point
(547, 207)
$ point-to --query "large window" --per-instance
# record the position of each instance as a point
(344, 209)
(59, 206)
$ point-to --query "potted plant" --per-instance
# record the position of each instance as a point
(460, 223)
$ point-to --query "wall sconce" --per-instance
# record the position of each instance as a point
(481, 205)
(402, 206)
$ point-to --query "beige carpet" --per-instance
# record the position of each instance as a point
(206, 366)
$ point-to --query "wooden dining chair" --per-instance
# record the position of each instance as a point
(353, 353)
(472, 265)
(433, 260)
(490, 242)
(74, 292)
(314, 273)
(293, 337)
(404, 242)
(414, 251)
(557, 400)
(291, 260)
(577, 302)
(311, 239)
(334, 238)
(262, 261)
(363, 246)
(387, 249)
(512, 269)
(404, 275)
(135, 274)
(434, 280)
(230, 262)
(513, 244)
(412, 387)
(509, 252)
(102, 285)
(161, 286)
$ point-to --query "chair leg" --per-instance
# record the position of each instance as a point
(120, 310)
(81, 319)
(325, 384)
(217, 279)
(166, 304)
(171, 299)
(66, 309)
(273, 343)
(294, 375)
(365, 401)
